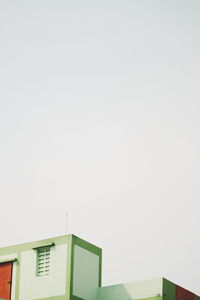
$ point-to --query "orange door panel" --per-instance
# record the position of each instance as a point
(5, 280)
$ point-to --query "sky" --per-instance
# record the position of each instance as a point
(100, 118)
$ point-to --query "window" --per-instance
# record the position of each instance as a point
(43, 261)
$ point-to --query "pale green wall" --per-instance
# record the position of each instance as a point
(54, 284)
(76, 275)
(85, 273)
(136, 290)
(69, 253)
(25, 284)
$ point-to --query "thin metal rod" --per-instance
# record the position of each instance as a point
(66, 225)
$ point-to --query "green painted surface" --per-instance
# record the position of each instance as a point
(147, 289)
(53, 298)
(16, 251)
(85, 273)
(152, 298)
(169, 290)
(58, 298)
(28, 246)
(92, 248)
(153, 289)
(17, 277)
(76, 298)
(89, 248)
(8, 260)
(52, 284)
(69, 267)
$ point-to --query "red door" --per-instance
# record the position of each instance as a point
(5, 280)
(183, 294)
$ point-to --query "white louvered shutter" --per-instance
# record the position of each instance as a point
(43, 261)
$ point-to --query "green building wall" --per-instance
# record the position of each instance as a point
(76, 270)
(76, 275)
(147, 289)
(152, 289)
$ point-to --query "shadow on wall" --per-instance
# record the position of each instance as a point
(143, 290)
(120, 292)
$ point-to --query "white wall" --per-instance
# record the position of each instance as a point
(134, 290)
(54, 284)
(86, 273)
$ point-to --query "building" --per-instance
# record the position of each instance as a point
(69, 268)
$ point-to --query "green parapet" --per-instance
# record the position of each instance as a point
(77, 275)
(52, 298)
(81, 269)
(151, 298)
(169, 290)
(77, 272)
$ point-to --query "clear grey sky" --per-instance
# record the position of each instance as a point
(100, 116)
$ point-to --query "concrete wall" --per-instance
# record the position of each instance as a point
(36, 287)
(26, 284)
(175, 292)
(85, 273)
(147, 289)
(75, 270)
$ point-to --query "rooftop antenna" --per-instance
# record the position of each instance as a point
(66, 223)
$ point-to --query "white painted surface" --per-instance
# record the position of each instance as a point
(86, 273)
(6, 257)
(54, 284)
(134, 290)
(145, 288)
